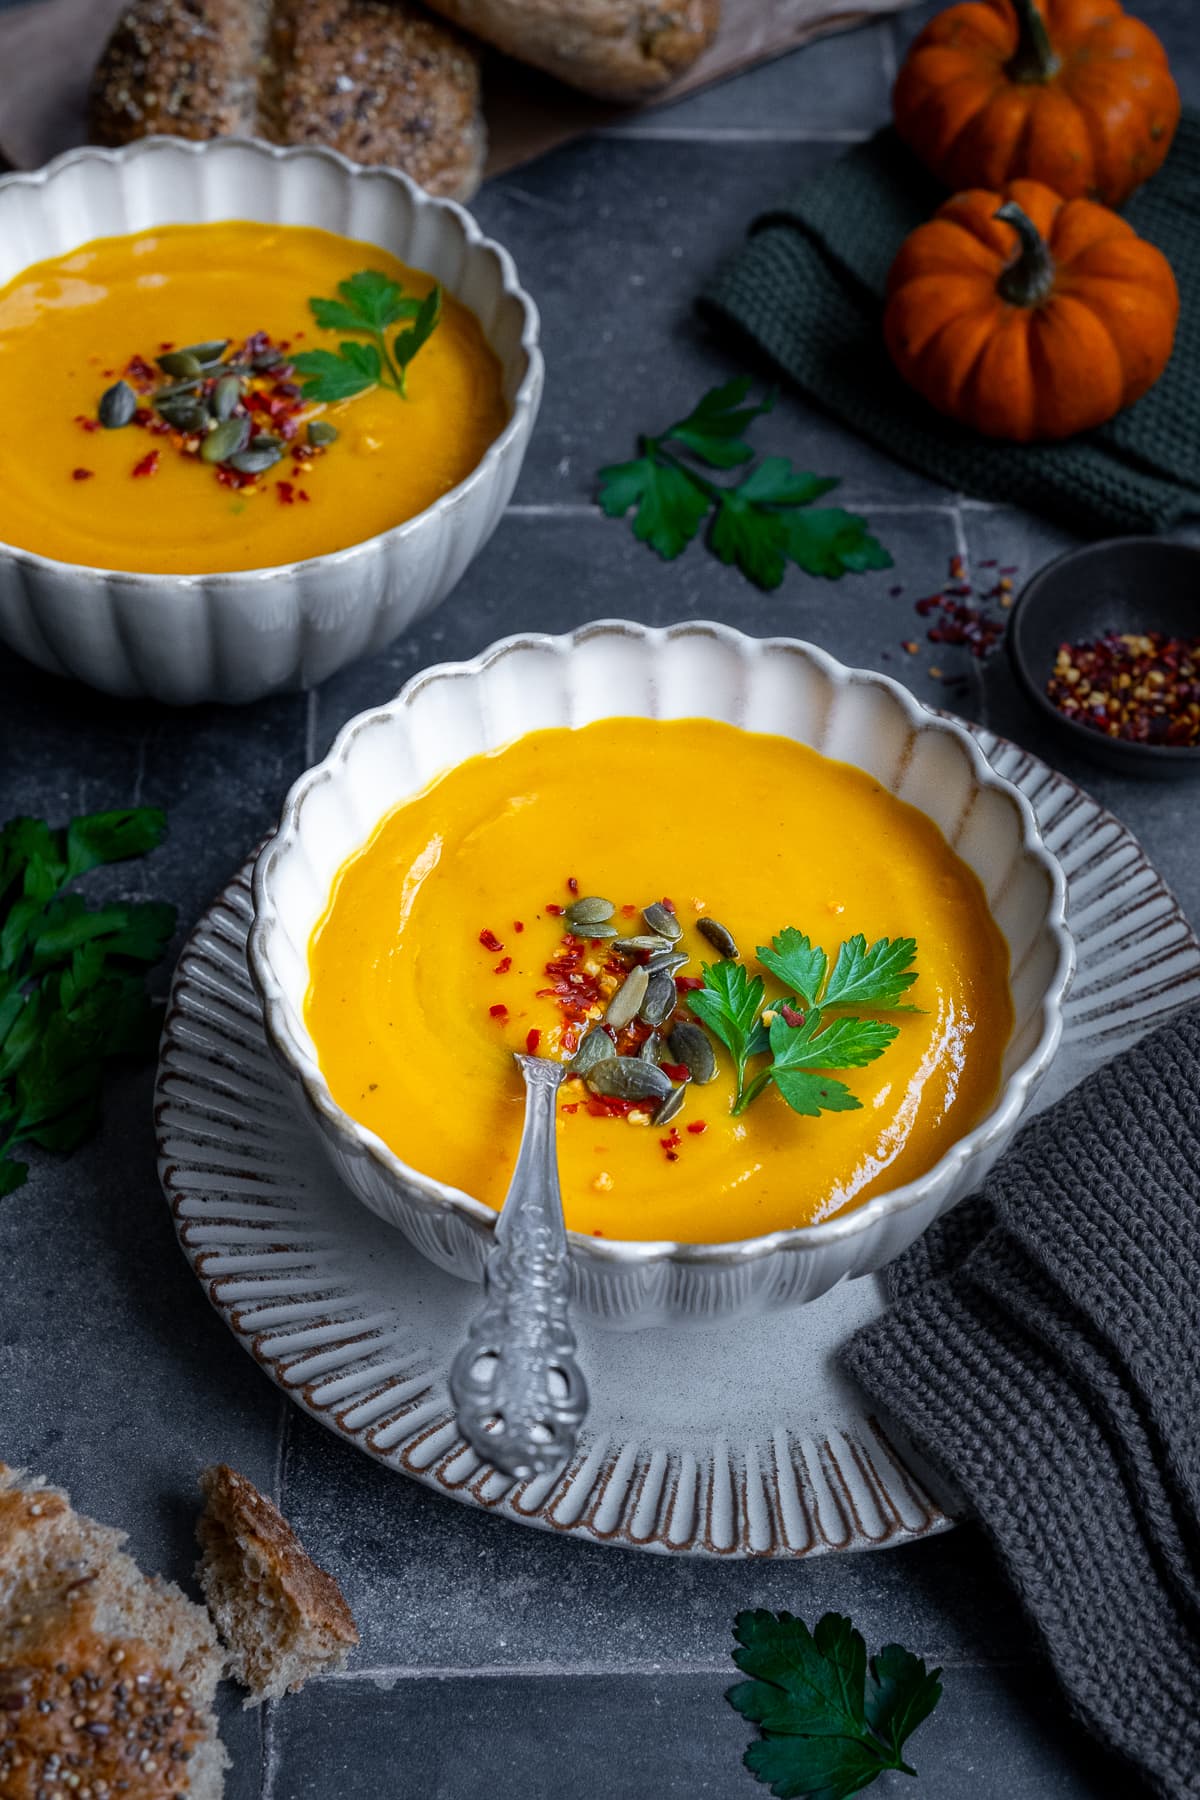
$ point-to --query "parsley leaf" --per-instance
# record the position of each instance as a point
(72, 982)
(798, 1050)
(874, 977)
(758, 524)
(730, 1003)
(794, 961)
(370, 302)
(805, 1048)
(669, 509)
(831, 1724)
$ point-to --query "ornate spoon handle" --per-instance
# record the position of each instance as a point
(517, 1388)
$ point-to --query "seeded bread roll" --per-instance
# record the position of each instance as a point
(617, 49)
(283, 1618)
(378, 80)
(107, 1677)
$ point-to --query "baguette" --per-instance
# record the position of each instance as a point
(378, 80)
(107, 1676)
(282, 1618)
(617, 49)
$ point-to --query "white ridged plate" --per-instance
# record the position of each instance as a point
(737, 1440)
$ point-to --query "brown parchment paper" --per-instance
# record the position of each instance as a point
(48, 50)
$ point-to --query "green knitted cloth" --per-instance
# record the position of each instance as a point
(808, 288)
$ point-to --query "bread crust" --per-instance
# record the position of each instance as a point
(282, 1617)
(616, 49)
(105, 1675)
(378, 80)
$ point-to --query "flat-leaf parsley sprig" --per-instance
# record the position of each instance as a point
(759, 523)
(370, 304)
(798, 1031)
(72, 977)
(830, 1722)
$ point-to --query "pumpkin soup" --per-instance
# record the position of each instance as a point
(185, 401)
(537, 897)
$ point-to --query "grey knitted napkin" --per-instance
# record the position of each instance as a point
(1043, 1351)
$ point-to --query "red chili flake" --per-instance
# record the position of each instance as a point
(86, 424)
(168, 344)
(910, 646)
(668, 904)
(139, 371)
(490, 941)
(556, 912)
(304, 495)
(532, 1040)
(989, 562)
(1143, 687)
(498, 1012)
(628, 912)
(957, 569)
(570, 1040)
(572, 884)
(571, 1106)
(82, 474)
(503, 966)
(286, 492)
(697, 1127)
(670, 1144)
(601, 1107)
(687, 984)
(518, 925)
(676, 1071)
(148, 464)
(143, 417)
(793, 1017)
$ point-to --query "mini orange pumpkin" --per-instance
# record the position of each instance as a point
(1076, 94)
(1028, 316)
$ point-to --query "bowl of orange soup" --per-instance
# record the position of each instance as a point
(804, 949)
(265, 406)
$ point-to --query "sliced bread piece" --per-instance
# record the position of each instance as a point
(282, 1618)
(107, 1676)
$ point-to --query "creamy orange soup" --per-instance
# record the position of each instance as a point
(429, 968)
(81, 493)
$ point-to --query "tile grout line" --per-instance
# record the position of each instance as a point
(268, 1755)
(310, 727)
(392, 1676)
(978, 687)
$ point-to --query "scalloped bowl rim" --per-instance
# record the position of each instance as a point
(333, 560)
(851, 1223)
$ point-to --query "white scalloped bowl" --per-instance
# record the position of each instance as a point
(237, 636)
(522, 684)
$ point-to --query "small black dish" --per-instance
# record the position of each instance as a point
(1122, 584)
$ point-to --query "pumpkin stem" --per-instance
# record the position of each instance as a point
(1035, 58)
(1028, 279)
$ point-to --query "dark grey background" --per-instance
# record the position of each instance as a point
(497, 1661)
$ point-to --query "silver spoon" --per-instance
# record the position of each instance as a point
(518, 1391)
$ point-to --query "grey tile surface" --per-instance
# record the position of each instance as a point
(496, 1661)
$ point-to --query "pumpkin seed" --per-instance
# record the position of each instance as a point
(117, 406)
(596, 1047)
(226, 395)
(260, 454)
(689, 1045)
(720, 939)
(187, 415)
(212, 351)
(663, 922)
(660, 999)
(180, 364)
(634, 946)
(176, 388)
(628, 1078)
(321, 432)
(267, 359)
(225, 441)
(667, 962)
(650, 1049)
(591, 910)
(672, 1106)
(595, 931)
(623, 1006)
